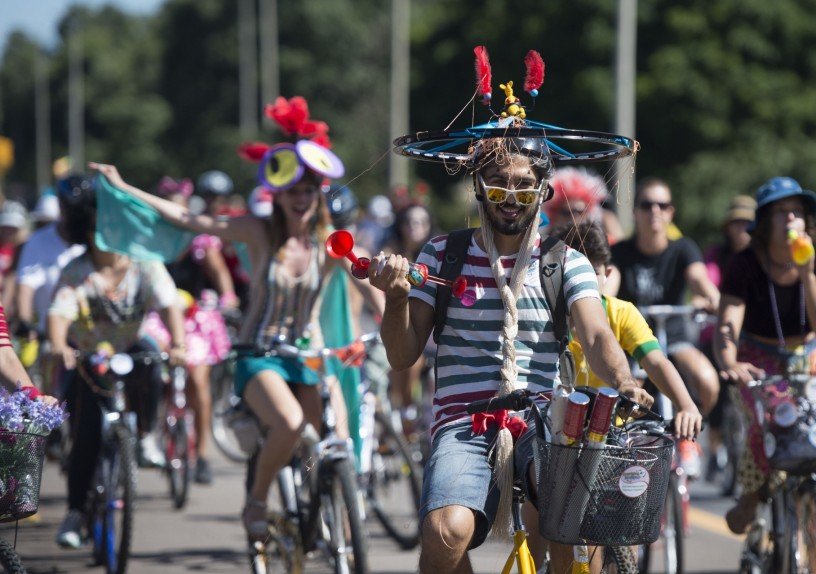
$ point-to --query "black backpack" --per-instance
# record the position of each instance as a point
(551, 267)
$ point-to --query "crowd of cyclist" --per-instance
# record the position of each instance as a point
(60, 288)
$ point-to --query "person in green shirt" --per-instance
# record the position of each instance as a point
(633, 334)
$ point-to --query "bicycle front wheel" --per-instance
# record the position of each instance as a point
(9, 559)
(178, 461)
(671, 535)
(113, 521)
(395, 485)
(342, 515)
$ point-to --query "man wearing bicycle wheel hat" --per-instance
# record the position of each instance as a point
(499, 335)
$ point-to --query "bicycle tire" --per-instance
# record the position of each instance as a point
(178, 462)
(622, 558)
(672, 534)
(343, 516)
(734, 441)
(223, 399)
(395, 472)
(116, 512)
(9, 559)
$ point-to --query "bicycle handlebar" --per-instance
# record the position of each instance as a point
(669, 311)
(280, 348)
(522, 398)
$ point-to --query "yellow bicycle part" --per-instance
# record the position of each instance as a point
(580, 559)
(520, 554)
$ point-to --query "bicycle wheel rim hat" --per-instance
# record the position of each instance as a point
(283, 165)
(546, 143)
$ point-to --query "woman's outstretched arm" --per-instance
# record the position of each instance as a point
(232, 229)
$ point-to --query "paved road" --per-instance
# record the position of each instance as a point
(207, 537)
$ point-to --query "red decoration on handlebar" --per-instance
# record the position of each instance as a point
(340, 244)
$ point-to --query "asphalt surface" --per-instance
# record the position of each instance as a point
(207, 537)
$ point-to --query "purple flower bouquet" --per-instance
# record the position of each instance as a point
(24, 426)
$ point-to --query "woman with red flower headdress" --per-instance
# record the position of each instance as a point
(289, 268)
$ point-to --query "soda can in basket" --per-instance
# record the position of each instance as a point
(602, 413)
(577, 406)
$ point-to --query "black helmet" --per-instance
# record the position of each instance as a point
(214, 183)
(343, 206)
(77, 195)
(77, 190)
(487, 150)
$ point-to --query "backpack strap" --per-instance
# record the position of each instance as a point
(453, 259)
(551, 266)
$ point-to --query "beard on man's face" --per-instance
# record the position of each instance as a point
(526, 217)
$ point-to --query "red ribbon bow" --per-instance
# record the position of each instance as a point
(500, 418)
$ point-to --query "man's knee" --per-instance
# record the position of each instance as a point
(448, 530)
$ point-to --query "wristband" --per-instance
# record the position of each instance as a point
(31, 392)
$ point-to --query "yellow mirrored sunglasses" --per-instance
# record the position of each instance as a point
(496, 194)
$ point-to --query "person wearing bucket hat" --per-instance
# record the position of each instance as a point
(766, 319)
(290, 268)
(739, 218)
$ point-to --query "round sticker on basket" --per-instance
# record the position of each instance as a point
(634, 481)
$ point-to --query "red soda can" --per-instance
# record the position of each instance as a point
(602, 413)
(577, 406)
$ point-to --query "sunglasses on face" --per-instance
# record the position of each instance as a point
(648, 205)
(496, 194)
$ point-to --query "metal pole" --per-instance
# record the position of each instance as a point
(625, 74)
(270, 56)
(247, 68)
(42, 121)
(76, 98)
(400, 85)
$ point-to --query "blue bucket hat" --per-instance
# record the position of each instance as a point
(778, 188)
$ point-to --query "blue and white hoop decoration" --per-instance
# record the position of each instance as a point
(565, 146)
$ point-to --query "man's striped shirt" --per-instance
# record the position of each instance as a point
(469, 356)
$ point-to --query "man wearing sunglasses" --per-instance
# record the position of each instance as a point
(499, 339)
(655, 270)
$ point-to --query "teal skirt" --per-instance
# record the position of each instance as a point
(293, 371)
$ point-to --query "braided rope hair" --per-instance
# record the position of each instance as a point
(501, 151)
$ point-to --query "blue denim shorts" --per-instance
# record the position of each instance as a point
(459, 473)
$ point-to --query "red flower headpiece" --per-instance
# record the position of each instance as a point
(292, 116)
(282, 165)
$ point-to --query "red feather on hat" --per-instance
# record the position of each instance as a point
(535, 71)
(483, 74)
(253, 151)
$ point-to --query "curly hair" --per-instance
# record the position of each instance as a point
(587, 238)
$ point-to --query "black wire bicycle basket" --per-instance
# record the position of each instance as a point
(611, 497)
(21, 464)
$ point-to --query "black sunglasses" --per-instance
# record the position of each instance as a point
(648, 205)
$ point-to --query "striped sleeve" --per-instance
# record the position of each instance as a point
(579, 278)
(431, 255)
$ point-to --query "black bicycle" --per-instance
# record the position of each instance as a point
(782, 537)
(110, 506)
(321, 505)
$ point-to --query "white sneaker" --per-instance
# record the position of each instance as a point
(149, 452)
(69, 535)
